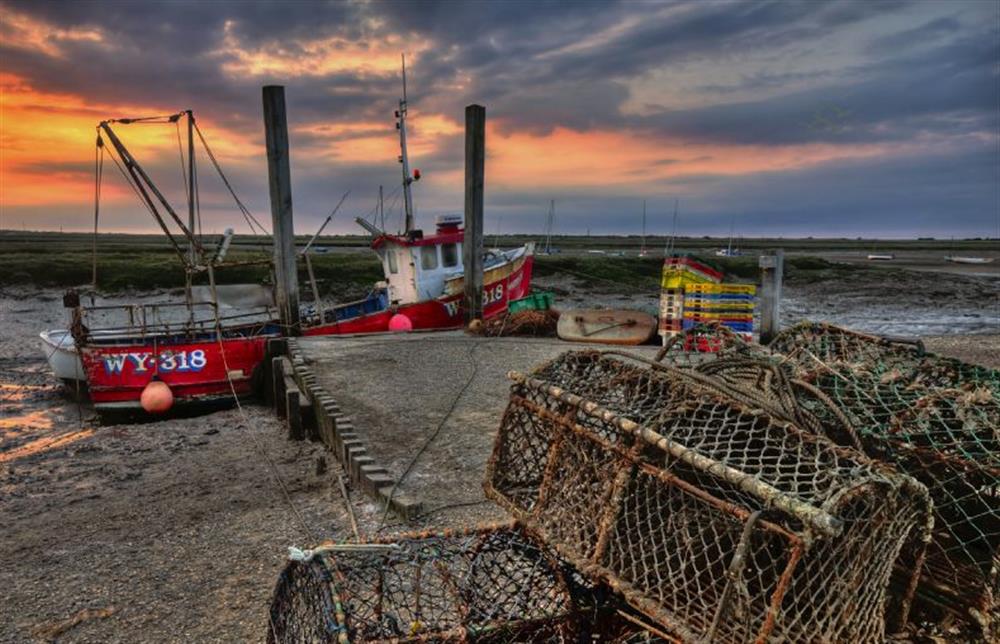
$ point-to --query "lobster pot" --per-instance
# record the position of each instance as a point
(494, 583)
(711, 518)
(938, 420)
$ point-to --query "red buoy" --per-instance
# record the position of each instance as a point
(400, 322)
(156, 397)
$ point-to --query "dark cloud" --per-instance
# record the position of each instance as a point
(928, 71)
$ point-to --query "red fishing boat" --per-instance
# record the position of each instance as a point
(424, 276)
(424, 282)
(203, 361)
(195, 352)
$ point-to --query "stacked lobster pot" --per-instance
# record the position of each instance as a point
(936, 419)
(712, 517)
(679, 272)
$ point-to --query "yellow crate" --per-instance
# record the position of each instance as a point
(718, 289)
(730, 316)
(678, 278)
(716, 305)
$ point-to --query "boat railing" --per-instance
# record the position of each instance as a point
(141, 321)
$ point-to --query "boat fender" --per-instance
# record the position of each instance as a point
(400, 323)
(156, 398)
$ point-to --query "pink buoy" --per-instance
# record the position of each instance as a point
(400, 322)
(156, 397)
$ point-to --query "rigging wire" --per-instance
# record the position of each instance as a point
(180, 150)
(98, 179)
(247, 215)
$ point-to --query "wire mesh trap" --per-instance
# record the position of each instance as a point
(935, 418)
(710, 517)
(494, 583)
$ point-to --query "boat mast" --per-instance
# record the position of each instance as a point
(668, 251)
(548, 226)
(403, 158)
(642, 251)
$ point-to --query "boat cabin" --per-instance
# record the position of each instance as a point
(416, 267)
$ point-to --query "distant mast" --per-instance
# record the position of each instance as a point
(404, 160)
(642, 251)
(548, 227)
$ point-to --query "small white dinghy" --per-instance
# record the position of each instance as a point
(968, 260)
(60, 351)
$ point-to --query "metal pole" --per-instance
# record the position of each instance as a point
(472, 247)
(280, 183)
(772, 265)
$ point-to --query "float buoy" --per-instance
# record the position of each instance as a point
(400, 322)
(156, 397)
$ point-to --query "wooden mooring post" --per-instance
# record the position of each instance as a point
(280, 182)
(772, 266)
(472, 247)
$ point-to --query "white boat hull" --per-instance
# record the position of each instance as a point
(969, 260)
(60, 351)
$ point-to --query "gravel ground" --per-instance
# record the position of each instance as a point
(176, 531)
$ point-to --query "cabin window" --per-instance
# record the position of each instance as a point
(391, 256)
(428, 258)
(449, 255)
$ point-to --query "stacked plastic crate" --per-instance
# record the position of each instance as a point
(678, 274)
(730, 305)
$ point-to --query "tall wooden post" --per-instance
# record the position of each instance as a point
(772, 266)
(280, 182)
(190, 180)
(472, 247)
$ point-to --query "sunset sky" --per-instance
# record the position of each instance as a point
(850, 118)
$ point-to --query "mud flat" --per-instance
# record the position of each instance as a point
(176, 531)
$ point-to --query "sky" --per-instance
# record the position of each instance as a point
(844, 118)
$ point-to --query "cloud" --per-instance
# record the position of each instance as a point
(591, 103)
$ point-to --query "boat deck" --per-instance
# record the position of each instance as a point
(399, 389)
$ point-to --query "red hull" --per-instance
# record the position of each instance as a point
(195, 371)
(443, 313)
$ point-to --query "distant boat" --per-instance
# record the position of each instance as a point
(881, 257)
(642, 251)
(729, 251)
(968, 260)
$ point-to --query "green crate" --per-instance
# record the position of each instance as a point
(537, 301)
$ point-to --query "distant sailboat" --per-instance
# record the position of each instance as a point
(549, 223)
(728, 251)
(642, 251)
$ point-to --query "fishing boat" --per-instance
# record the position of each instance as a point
(968, 260)
(205, 361)
(424, 275)
(197, 354)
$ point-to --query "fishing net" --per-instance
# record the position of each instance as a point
(710, 516)
(538, 324)
(494, 583)
(935, 418)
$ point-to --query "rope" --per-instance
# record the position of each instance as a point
(247, 215)
(434, 435)
(98, 178)
(257, 444)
